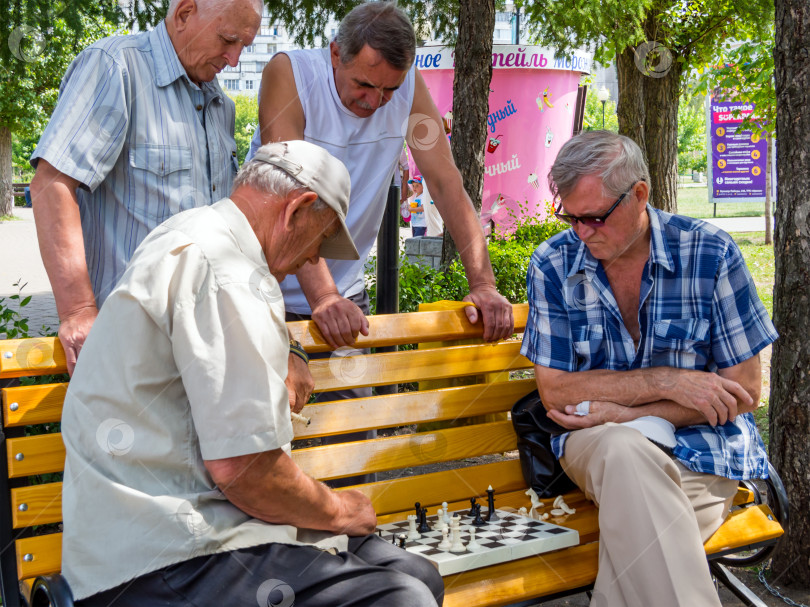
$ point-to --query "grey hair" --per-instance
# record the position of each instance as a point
(616, 159)
(272, 180)
(384, 27)
(203, 6)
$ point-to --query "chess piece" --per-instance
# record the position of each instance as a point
(413, 534)
(534, 512)
(473, 545)
(446, 511)
(445, 543)
(440, 524)
(522, 511)
(418, 507)
(402, 537)
(473, 501)
(478, 521)
(423, 524)
(457, 545)
(491, 515)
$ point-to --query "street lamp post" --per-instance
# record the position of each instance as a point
(603, 95)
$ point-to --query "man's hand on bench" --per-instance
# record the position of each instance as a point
(299, 382)
(339, 320)
(496, 311)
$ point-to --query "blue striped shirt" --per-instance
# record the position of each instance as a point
(143, 140)
(698, 310)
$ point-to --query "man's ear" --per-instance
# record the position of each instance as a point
(184, 11)
(296, 205)
(642, 192)
(334, 54)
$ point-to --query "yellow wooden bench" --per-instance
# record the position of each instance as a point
(461, 428)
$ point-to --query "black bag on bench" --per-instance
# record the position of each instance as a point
(541, 470)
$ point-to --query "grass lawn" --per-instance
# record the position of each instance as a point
(694, 202)
(760, 261)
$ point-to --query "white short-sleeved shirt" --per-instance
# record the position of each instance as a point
(185, 363)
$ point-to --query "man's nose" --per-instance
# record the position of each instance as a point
(232, 55)
(583, 231)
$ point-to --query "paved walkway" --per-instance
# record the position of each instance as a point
(19, 252)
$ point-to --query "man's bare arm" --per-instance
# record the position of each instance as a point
(717, 397)
(271, 487)
(435, 161)
(61, 244)
(281, 116)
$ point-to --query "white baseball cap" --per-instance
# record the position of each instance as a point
(319, 171)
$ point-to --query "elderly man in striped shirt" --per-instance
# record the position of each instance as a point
(645, 329)
(141, 132)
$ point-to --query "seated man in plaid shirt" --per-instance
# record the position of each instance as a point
(650, 318)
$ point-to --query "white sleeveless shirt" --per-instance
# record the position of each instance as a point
(370, 149)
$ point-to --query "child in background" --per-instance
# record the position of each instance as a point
(418, 223)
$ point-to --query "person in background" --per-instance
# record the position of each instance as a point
(418, 225)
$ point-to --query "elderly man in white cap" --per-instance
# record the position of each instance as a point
(179, 488)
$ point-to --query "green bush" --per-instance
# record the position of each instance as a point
(509, 254)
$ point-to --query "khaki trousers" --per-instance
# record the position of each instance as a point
(654, 515)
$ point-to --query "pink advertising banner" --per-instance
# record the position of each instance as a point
(531, 115)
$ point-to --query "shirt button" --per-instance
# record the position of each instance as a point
(199, 107)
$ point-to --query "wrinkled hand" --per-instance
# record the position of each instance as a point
(713, 396)
(299, 382)
(495, 310)
(601, 412)
(73, 330)
(339, 320)
(356, 516)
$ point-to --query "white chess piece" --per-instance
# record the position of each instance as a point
(446, 513)
(413, 534)
(536, 504)
(522, 511)
(445, 543)
(473, 545)
(457, 545)
(440, 524)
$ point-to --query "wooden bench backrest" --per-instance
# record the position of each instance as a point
(28, 457)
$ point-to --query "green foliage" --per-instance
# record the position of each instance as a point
(13, 325)
(509, 255)
(745, 73)
(247, 112)
(691, 135)
(592, 121)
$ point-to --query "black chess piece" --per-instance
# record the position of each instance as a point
(491, 515)
(473, 501)
(423, 524)
(402, 537)
(418, 507)
(478, 521)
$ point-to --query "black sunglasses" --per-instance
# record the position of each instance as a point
(592, 222)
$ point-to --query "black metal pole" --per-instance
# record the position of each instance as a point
(603, 114)
(388, 267)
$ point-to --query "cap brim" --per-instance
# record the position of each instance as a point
(339, 246)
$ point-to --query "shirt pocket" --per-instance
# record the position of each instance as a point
(161, 173)
(589, 347)
(681, 343)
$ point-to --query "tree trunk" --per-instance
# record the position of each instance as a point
(768, 187)
(661, 96)
(789, 412)
(6, 173)
(630, 105)
(473, 73)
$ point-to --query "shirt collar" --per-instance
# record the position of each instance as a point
(240, 228)
(168, 67)
(659, 251)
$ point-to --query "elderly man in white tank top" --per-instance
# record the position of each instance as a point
(357, 99)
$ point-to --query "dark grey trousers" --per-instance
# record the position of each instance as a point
(361, 300)
(372, 572)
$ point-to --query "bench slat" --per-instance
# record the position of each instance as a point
(505, 583)
(25, 405)
(43, 505)
(745, 526)
(337, 417)
(415, 365)
(32, 356)
(46, 553)
(393, 452)
(38, 455)
(398, 329)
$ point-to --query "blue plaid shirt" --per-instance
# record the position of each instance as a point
(698, 310)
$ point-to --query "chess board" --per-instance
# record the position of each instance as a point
(512, 537)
